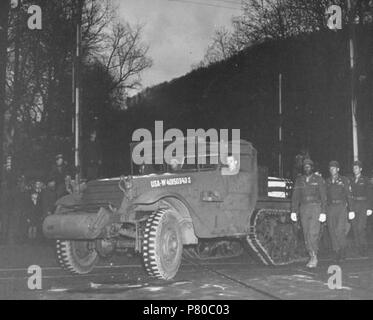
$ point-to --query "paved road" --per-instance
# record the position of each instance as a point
(124, 278)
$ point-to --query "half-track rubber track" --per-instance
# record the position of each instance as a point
(273, 239)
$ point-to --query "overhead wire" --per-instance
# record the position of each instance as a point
(205, 4)
(238, 2)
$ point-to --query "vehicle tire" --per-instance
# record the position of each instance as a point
(162, 246)
(77, 257)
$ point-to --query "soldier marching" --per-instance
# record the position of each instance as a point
(309, 201)
(339, 206)
(361, 190)
(336, 201)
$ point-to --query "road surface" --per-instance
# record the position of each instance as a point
(124, 278)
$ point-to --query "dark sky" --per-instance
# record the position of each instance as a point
(178, 33)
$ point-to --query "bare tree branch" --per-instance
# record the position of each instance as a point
(125, 56)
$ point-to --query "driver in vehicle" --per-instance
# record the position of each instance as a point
(175, 165)
(232, 166)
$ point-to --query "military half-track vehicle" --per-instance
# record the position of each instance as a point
(164, 213)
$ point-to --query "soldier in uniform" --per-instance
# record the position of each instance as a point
(59, 174)
(309, 199)
(339, 200)
(361, 189)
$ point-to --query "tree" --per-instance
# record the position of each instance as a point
(4, 16)
(279, 19)
(222, 47)
(263, 20)
(125, 57)
(39, 72)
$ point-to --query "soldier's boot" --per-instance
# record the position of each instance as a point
(313, 261)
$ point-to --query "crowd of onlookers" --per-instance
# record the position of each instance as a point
(25, 203)
(27, 199)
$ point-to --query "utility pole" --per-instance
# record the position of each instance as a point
(280, 132)
(352, 41)
(76, 88)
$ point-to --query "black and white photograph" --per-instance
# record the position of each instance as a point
(186, 153)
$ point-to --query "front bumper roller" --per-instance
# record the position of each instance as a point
(76, 225)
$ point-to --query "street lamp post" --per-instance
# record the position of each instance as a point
(280, 129)
(355, 141)
(76, 90)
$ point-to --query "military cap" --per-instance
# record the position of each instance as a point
(59, 156)
(307, 161)
(333, 164)
(358, 163)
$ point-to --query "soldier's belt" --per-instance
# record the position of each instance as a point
(311, 202)
(360, 198)
(336, 201)
(311, 199)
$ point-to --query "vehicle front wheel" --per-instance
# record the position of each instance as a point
(75, 256)
(162, 245)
